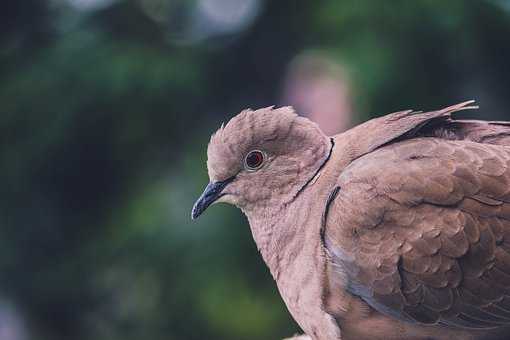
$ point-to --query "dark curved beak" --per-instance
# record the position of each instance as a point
(212, 192)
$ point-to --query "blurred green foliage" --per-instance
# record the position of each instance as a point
(105, 116)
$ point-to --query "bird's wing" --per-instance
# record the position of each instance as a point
(420, 230)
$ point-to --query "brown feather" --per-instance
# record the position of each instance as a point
(439, 194)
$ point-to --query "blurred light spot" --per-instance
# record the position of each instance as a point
(504, 4)
(317, 86)
(87, 5)
(227, 16)
(205, 19)
(11, 325)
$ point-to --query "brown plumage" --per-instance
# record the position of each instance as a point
(396, 229)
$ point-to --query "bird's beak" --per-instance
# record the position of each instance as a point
(212, 192)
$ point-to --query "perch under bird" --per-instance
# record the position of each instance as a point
(396, 229)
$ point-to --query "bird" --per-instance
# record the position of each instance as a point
(398, 228)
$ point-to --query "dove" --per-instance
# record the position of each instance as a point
(398, 228)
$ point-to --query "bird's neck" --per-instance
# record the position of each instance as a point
(280, 235)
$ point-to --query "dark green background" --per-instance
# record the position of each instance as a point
(105, 115)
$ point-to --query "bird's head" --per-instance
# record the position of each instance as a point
(262, 159)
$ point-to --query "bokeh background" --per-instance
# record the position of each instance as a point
(106, 107)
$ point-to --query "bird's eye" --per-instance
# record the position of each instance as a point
(254, 160)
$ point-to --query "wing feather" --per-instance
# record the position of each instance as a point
(422, 229)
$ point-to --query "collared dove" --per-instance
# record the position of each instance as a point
(396, 229)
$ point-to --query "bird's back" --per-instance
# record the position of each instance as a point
(479, 131)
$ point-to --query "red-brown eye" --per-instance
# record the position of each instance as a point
(254, 160)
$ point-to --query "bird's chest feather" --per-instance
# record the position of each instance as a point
(295, 255)
(301, 285)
